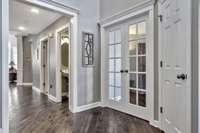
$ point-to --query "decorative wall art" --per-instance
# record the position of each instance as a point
(88, 49)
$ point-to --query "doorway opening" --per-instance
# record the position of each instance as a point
(63, 40)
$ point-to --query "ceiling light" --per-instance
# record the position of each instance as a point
(34, 10)
(21, 28)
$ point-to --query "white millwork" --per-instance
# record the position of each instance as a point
(175, 71)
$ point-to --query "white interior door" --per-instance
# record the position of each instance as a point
(129, 66)
(176, 63)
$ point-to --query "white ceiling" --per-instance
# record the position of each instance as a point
(21, 15)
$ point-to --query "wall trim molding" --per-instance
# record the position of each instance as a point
(25, 84)
(155, 123)
(36, 89)
(54, 99)
(87, 107)
(140, 6)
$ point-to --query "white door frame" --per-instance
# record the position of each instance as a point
(5, 34)
(46, 38)
(59, 65)
(140, 10)
(188, 85)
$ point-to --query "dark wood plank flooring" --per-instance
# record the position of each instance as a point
(31, 112)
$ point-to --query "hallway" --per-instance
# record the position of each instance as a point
(32, 112)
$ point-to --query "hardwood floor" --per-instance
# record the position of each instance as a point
(31, 112)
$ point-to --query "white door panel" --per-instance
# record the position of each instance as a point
(174, 56)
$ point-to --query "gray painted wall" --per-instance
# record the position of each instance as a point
(27, 61)
(1, 67)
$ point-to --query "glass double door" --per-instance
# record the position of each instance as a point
(127, 50)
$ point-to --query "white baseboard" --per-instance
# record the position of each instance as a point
(87, 107)
(155, 123)
(54, 99)
(25, 84)
(36, 89)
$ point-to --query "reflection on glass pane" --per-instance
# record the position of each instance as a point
(111, 38)
(118, 65)
(142, 28)
(118, 94)
(118, 50)
(111, 65)
(142, 98)
(132, 63)
(111, 51)
(141, 63)
(133, 82)
(111, 92)
(133, 96)
(117, 36)
(132, 47)
(111, 79)
(142, 81)
(132, 31)
(86, 61)
(118, 79)
(141, 48)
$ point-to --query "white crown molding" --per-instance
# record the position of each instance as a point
(138, 7)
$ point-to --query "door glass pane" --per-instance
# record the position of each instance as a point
(132, 47)
(111, 38)
(142, 81)
(118, 65)
(117, 93)
(111, 92)
(118, 50)
(115, 65)
(118, 79)
(133, 97)
(132, 64)
(111, 79)
(142, 64)
(117, 37)
(142, 28)
(133, 82)
(111, 65)
(111, 51)
(141, 48)
(142, 98)
(132, 31)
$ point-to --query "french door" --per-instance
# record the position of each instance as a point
(128, 76)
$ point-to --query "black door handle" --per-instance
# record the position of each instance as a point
(182, 76)
(121, 71)
(126, 71)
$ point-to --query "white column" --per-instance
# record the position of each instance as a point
(19, 60)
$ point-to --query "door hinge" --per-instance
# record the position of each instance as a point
(161, 64)
(161, 110)
(160, 17)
